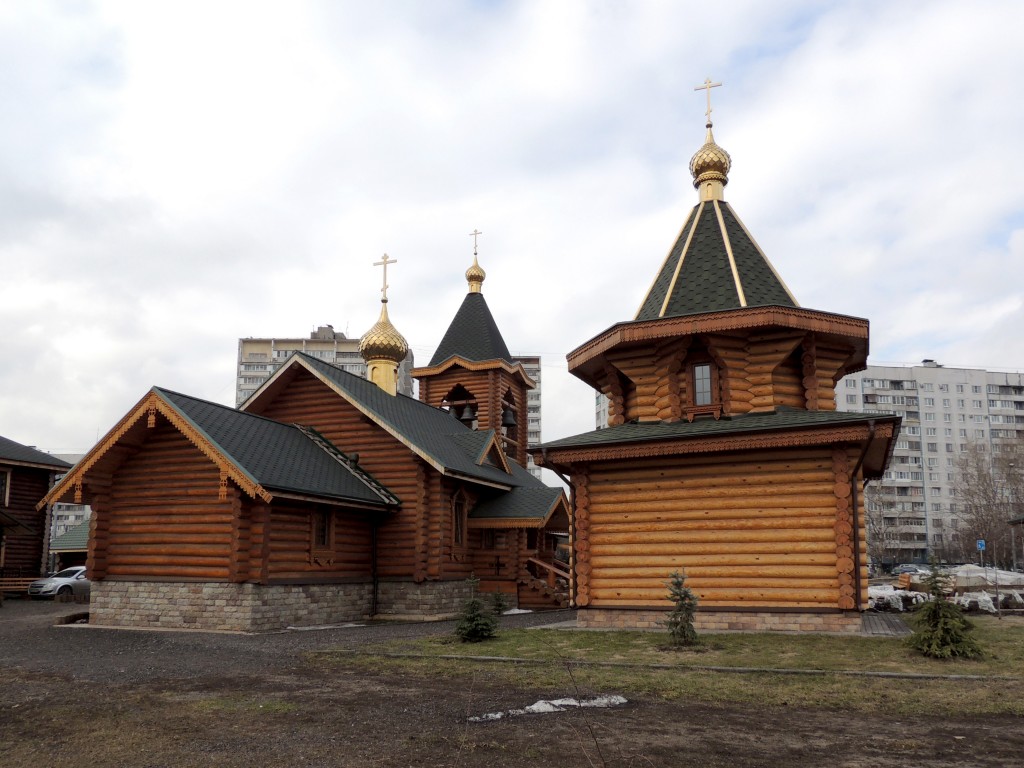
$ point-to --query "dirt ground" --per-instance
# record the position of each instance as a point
(92, 697)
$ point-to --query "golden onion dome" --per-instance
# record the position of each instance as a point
(475, 275)
(710, 163)
(383, 341)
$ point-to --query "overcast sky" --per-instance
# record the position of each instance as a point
(176, 175)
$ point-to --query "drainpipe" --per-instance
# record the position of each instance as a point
(373, 567)
(856, 510)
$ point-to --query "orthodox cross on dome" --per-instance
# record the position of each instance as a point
(474, 234)
(707, 85)
(384, 263)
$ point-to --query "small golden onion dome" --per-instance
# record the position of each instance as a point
(475, 275)
(383, 341)
(710, 163)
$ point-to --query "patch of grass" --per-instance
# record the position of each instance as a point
(241, 704)
(1002, 640)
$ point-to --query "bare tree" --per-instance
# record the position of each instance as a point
(989, 492)
(880, 533)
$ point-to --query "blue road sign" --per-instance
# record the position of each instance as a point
(981, 545)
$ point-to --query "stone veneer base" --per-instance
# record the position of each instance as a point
(848, 622)
(258, 608)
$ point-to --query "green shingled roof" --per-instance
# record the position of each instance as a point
(780, 419)
(473, 335)
(431, 432)
(699, 276)
(72, 540)
(518, 503)
(17, 453)
(279, 457)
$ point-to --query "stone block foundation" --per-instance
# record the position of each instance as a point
(220, 606)
(258, 608)
(847, 622)
(430, 599)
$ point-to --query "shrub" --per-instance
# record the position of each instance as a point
(475, 622)
(684, 606)
(942, 631)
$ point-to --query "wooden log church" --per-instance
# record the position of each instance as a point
(326, 497)
(724, 456)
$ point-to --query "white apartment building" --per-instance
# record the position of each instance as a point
(944, 410)
(531, 365)
(259, 358)
(64, 517)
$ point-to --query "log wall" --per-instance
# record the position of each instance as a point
(780, 368)
(404, 539)
(292, 556)
(163, 516)
(770, 530)
(23, 553)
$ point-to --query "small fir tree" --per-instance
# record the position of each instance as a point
(942, 631)
(684, 606)
(499, 603)
(476, 622)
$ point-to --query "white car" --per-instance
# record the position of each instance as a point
(66, 582)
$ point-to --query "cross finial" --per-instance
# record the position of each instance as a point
(707, 85)
(384, 263)
(475, 234)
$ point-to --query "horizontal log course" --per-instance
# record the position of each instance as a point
(665, 530)
(130, 519)
(193, 559)
(725, 543)
(801, 554)
(792, 570)
(808, 496)
(174, 551)
(728, 469)
(665, 605)
(730, 594)
(655, 520)
(180, 572)
(697, 583)
(171, 535)
(143, 529)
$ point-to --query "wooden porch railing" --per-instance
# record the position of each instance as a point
(549, 572)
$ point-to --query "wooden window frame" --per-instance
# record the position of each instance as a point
(317, 546)
(692, 409)
(5, 487)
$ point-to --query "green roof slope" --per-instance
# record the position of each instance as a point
(278, 456)
(23, 454)
(473, 335)
(698, 275)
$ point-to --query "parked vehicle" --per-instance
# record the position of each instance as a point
(67, 582)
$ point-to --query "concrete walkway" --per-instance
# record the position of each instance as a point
(884, 624)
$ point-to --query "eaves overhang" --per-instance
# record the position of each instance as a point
(585, 360)
(471, 365)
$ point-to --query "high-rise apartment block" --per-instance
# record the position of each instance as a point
(259, 358)
(532, 367)
(944, 411)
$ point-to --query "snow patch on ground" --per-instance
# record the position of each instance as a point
(555, 705)
(515, 611)
(324, 626)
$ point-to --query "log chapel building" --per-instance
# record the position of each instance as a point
(325, 497)
(725, 457)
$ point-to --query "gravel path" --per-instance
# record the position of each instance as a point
(29, 640)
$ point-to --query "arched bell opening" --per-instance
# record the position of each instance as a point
(461, 403)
